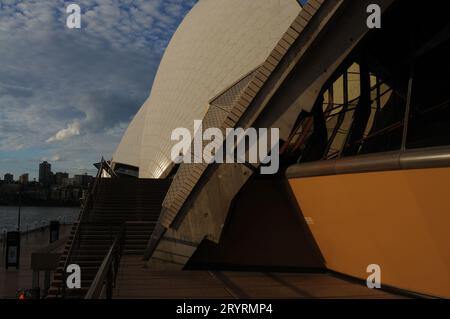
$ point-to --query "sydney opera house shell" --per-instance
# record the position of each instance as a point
(363, 115)
(217, 44)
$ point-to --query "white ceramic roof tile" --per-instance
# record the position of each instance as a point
(217, 43)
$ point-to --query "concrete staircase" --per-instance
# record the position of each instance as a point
(134, 201)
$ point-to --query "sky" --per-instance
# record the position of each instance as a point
(68, 95)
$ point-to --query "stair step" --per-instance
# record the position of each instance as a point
(134, 252)
(80, 293)
(58, 283)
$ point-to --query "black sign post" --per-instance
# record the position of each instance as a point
(12, 249)
(54, 231)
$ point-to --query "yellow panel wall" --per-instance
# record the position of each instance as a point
(399, 220)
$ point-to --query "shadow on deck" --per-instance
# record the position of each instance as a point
(136, 282)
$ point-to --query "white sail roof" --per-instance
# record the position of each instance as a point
(217, 43)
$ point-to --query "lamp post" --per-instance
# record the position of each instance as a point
(20, 206)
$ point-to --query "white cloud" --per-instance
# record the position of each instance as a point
(71, 131)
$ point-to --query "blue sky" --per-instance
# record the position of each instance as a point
(67, 96)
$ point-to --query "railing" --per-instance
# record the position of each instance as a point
(430, 157)
(86, 205)
(105, 278)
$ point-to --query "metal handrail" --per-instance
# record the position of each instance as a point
(85, 206)
(107, 273)
(430, 157)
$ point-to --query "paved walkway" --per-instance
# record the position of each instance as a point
(11, 280)
(136, 282)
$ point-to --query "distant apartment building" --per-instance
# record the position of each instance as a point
(71, 182)
(45, 173)
(9, 178)
(24, 179)
(82, 180)
(61, 178)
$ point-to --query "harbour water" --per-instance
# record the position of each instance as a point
(35, 217)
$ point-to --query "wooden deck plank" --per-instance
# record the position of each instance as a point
(136, 281)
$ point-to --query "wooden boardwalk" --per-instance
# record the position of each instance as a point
(12, 280)
(136, 282)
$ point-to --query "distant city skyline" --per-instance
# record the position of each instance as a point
(31, 177)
